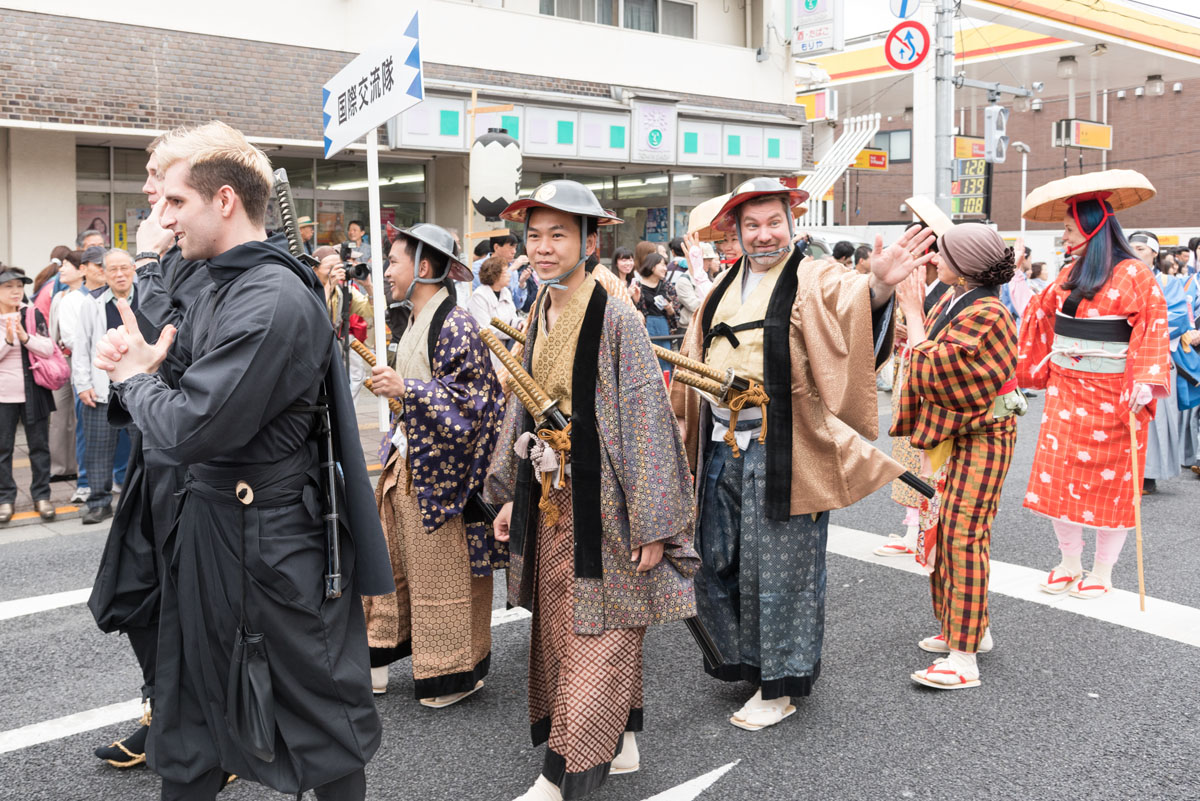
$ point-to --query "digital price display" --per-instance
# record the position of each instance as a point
(969, 189)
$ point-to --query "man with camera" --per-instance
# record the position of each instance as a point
(349, 309)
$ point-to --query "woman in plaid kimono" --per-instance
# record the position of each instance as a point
(957, 405)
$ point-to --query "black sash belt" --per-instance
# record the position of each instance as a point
(728, 331)
(1096, 330)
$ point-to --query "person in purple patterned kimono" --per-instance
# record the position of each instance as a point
(607, 549)
(434, 461)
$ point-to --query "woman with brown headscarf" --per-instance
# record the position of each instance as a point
(957, 404)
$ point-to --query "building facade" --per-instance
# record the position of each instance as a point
(656, 104)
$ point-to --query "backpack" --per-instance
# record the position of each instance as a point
(49, 372)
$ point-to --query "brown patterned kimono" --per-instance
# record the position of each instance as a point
(629, 487)
(442, 556)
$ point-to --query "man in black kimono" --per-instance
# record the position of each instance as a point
(125, 595)
(231, 397)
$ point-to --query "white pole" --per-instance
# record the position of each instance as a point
(1024, 163)
(377, 235)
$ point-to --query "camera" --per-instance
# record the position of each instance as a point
(355, 271)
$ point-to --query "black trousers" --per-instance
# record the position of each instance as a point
(144, 642)
(348, 788)
(37, 435)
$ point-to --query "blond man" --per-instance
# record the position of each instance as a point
(261, 671)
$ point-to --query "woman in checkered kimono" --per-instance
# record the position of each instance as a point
(957, 405)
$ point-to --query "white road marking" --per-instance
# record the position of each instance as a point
(43, 603)
(1164, 619)
(16, 739)
(502, 616)
(44, 732)
(693, 788)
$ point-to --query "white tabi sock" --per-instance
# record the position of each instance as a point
(778, 704)
(755, 702)
(1071, 564)
(910, 537)
(964, 663)
(542, 790)
(1102, 572)
(629, 758)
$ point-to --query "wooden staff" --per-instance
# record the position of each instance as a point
(1137, 506)
(369, 357)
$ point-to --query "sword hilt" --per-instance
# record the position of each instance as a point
(532, 396)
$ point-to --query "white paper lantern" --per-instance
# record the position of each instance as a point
(495, 172)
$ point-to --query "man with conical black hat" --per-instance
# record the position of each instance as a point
(434, 461)
(600, 529)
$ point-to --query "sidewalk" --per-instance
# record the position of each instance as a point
(61, 491)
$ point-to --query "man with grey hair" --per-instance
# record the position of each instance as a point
(91, 384)
(89, 238)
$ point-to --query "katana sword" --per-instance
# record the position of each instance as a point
(547, 414)
(711, 381)
(333, 546)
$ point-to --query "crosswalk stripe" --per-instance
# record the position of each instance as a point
(69, 725)
(43, 603)
(46, 731)
(690, 790)
(1164, 619)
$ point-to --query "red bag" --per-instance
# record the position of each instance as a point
(358, 327)
(50, 372)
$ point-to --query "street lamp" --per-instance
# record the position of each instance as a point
(1155, 85)
(1067, 67)
(1023, 149)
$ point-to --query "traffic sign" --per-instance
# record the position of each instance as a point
(373, 88)
(907, 45)
(905, 8)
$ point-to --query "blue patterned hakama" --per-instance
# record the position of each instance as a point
(761, 588)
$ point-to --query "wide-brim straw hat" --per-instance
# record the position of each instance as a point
(700, 220)
(930, 213)
(1122, 189)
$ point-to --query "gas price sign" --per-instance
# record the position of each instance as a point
(969, 189)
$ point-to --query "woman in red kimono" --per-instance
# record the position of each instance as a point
(1096, 340)
(957, 405)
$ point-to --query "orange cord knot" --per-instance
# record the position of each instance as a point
(753, 395)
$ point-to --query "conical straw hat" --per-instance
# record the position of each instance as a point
(1123, 189)
(700, 221)
(929, 213)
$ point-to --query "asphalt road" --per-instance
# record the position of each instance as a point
(1071, 706)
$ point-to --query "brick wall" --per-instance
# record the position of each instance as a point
(1152, 135)
(66, 70)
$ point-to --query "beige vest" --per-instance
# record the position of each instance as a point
(747, 358)
(554, 351)
(412, 353)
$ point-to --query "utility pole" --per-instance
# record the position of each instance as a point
(944, 104)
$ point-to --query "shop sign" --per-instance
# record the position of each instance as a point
(817, 27)
(870, 158)
(654, 133)
(1083, 133)
(372, 89)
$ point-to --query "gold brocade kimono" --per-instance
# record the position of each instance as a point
(832, 401)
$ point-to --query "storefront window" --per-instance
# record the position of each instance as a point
(91, 163)
(129, 164)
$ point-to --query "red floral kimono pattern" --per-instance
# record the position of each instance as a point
(949, 393)
(1082, 469)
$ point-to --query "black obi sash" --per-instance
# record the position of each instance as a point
(777, 376)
